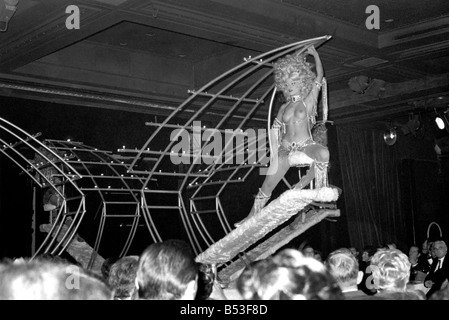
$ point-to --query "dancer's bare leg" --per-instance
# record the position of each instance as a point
(306, 179)
(277, 170)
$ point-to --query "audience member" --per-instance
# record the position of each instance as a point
(206, 278)
(288, 275)
(424, 256)
(122, 278)
(344, 267)
(425, 248)
(391, 273)
(50, 280)
(355, 252)
(318, 255)
(367, 284)
(427, 251)
(167, 271)
(106, 266)
(439, 271)
(419, 267)
(308, 251)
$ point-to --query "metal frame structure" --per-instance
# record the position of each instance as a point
(125, 187)
(107, 176)
(48, 169)
(237, 94)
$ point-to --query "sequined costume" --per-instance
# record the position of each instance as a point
(287, 147)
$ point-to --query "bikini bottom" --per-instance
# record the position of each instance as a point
(286, 147)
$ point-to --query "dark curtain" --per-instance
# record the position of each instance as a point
(369, 170)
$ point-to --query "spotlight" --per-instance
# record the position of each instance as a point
(440, 122)
(390, 136)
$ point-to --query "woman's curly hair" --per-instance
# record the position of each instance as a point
(294, 63)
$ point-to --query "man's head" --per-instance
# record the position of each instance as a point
(391, 269)
(413, 253)
(122, 276)
(368, 252)
(308, 251)
(167, 271)
(288, 276)
(439, 249)
(344, 267)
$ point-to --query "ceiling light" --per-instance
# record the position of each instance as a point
(390, 136)
(442, 119)
(440, 122)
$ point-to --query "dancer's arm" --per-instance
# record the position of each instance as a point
(312, 98)
(278, 126)
(280, 113)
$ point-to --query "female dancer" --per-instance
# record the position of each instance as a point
(293, 75)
